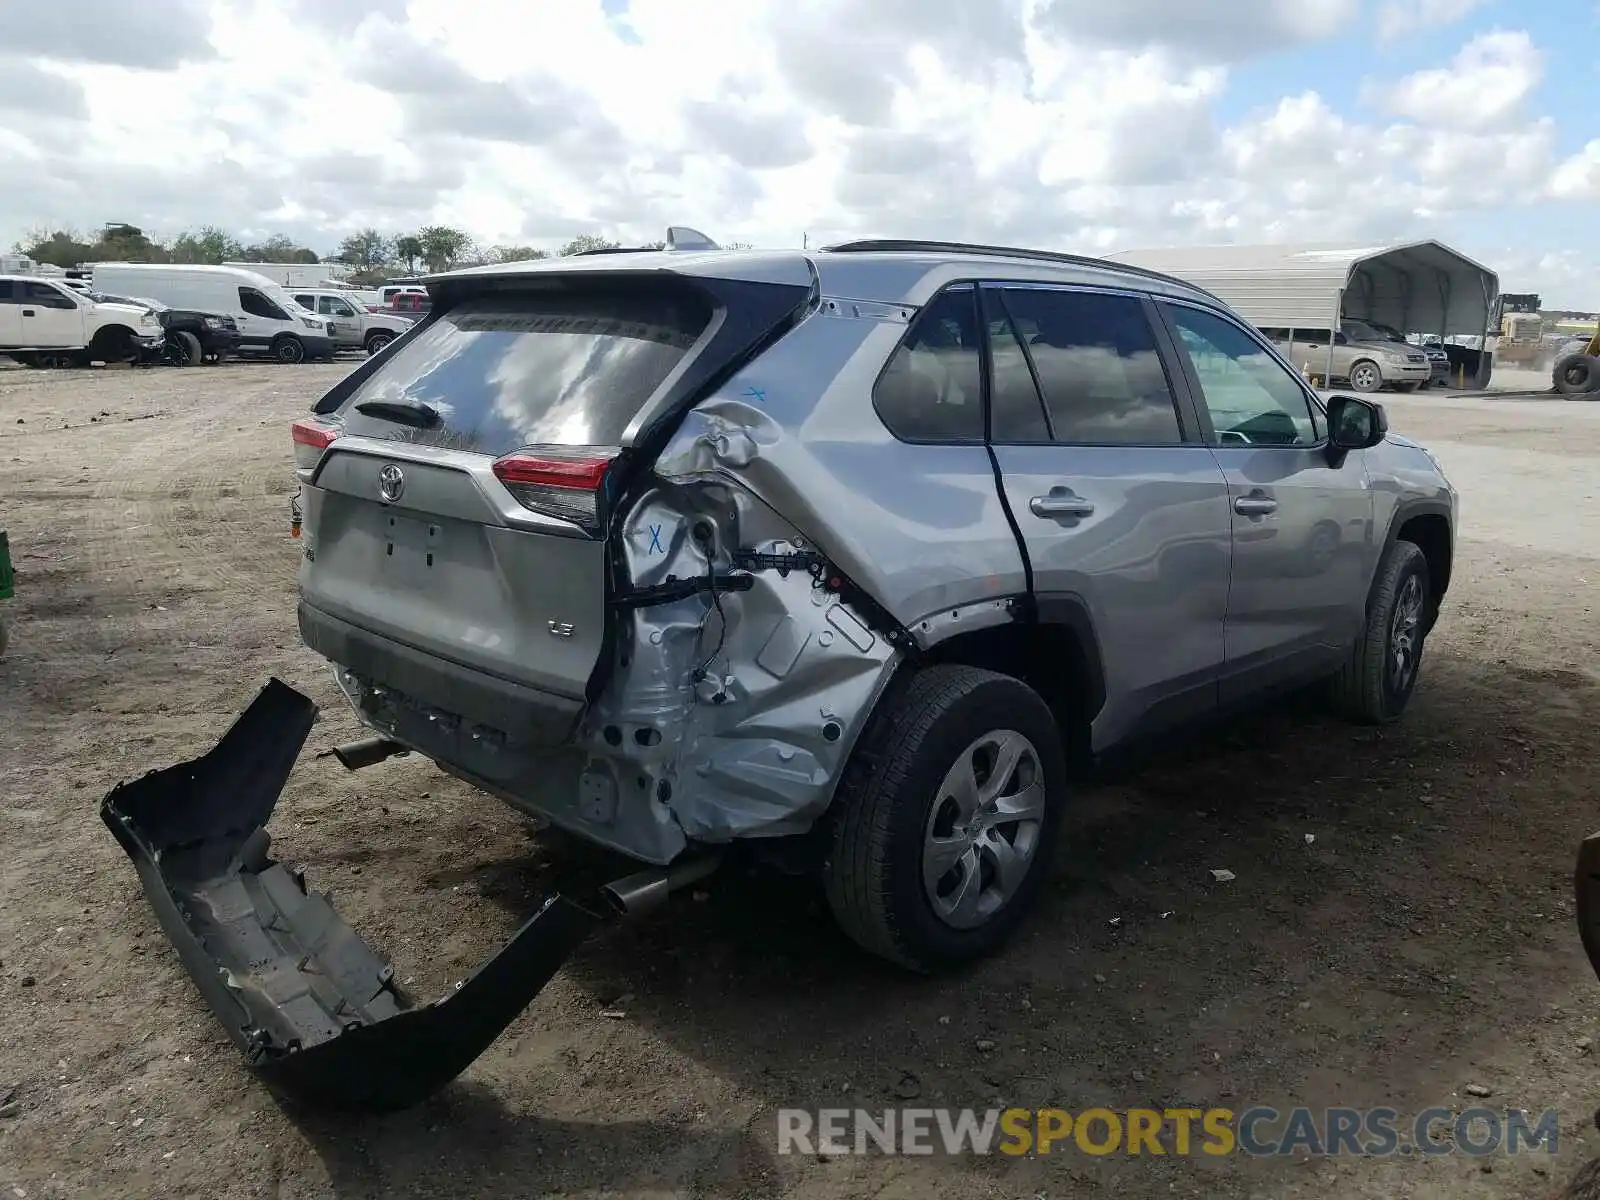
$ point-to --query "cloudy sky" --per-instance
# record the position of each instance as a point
(1074, 124)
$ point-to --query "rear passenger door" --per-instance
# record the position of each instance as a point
(1123, 511)
(1303, 548)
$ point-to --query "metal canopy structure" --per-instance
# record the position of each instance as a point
(1417, 287)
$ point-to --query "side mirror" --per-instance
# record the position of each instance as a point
(1339, 339)
(1355, 424)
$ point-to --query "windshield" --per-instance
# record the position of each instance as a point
(283, 299)
(1360, 331)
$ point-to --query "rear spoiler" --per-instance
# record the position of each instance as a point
(679, 238)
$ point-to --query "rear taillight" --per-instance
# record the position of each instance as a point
(559, 481)
(311, 438)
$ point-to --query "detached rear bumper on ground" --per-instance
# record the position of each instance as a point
(313, 1008)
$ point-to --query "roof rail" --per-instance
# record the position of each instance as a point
(910, 246)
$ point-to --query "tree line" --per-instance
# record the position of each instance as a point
(373, 255)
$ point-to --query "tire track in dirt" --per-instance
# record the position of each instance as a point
(124, 522)
(213, 514)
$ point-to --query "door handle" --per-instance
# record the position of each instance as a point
(1060, 503)
(1256, 504)
(27, 312)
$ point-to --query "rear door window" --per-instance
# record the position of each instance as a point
(1098, 366)
(568, 367)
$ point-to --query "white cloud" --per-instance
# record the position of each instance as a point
(1218, 30)
(1398, 18)
(1578, 177)
(1064, 123)
(1486, 86)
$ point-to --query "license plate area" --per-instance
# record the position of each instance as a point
(412, 548)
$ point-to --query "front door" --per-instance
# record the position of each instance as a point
(259, 319)
(10, 314)
(1304, 546)
(342, 318)
(50, 318)
(1120, 505)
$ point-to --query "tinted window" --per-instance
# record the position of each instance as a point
(1252, 399)
(257, 305)
(569, 368)
(6, 293)
(307, 301)
(45, 296)
(931, 389)
(1098, 367)
(1016, 413)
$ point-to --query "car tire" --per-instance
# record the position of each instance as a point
(186, 349)
(377, 340)
(896, 815)
(112, 344)
(289, 349)
(1374, 686)
(1365, 376)
(1577, 377)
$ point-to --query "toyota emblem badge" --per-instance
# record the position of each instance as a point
(391, 482)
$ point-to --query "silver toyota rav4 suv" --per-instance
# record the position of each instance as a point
(849, 552)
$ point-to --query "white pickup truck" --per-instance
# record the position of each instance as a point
(44, 324)
(354, 325)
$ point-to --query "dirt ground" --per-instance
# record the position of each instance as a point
(1399, 926)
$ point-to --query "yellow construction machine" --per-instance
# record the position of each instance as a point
(1577, 372)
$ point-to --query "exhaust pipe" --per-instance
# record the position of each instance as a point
(645, 890)
(353, 756)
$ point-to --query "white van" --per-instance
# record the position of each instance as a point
(269, 320)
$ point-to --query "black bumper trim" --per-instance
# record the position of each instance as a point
(314, 1009)
(1587, 896)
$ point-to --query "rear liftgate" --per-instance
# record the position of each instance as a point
(312, 1007)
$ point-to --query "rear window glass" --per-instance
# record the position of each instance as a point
(558, 368)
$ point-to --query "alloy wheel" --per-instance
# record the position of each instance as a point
(1405, 628)
(983, 830)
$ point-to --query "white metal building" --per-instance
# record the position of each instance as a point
(1416, 287)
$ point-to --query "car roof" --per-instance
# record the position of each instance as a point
(888, 270)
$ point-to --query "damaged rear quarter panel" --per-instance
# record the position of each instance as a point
(739, 716)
